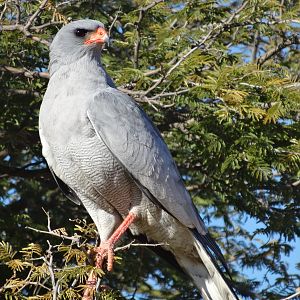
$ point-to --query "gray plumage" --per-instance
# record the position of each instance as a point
(105, 151)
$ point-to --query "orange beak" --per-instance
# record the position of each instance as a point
(99, 36)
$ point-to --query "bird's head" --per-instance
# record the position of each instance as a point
(76, 39)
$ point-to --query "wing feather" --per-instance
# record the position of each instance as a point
(136, 143)
(67, 191)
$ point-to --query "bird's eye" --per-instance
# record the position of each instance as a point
(80, 32)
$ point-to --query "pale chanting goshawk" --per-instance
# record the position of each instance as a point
(105, 153)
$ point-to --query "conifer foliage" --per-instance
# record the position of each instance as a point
(221, 81)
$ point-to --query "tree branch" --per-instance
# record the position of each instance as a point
(6, 171)
(24, 72)
(132, 244)
(288, 42)
(3, 153)
(52, 233)
(35, 15)
(292, 296)
(142, 12)
(212, 34)
(113, 23)
(51, 271)
(45, 25)
(256, 39)
(27, 34)
(163, 95)
(23, 92)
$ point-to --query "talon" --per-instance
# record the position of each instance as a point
(105, 251)
(110, 259)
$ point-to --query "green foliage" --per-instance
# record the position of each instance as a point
(220, 80)
(59, 268)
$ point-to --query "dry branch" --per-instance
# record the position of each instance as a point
(142, 12)
(74, 239)
(24, 72)
(293, 40)
(294, 296)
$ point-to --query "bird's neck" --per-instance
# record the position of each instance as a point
(87, 72)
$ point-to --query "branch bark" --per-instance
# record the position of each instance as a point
(28, 34)
(142, 12)
(211, 36)
(6, 171)
(49, 264)
(25, 28)
(293, 40)
(35, 15)
(24, 72)
(294, 296)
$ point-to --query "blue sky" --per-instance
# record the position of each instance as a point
(253, 273)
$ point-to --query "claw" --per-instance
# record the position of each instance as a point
(106, 250)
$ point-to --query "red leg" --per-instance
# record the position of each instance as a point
(106, 248)
(122, 228)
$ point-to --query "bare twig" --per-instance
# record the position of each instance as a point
(180, 61)
(236, 12)
(48, 220)
(132, 244)
(130, 92)
(137, 43)
(18, 11)
(292, 296)
(142, 12)
(9, 286)
(24, 72)
(152, 72)
(68, 2)
(51, 271)
(256, 39)
(18, 172)
(3, 153)
(45, 25)
(212, 34)
(91, 286)
(64, 237)
(286, 43)
(163, 95)
(22, 92)
(35, 15)
(3, 10)
(25, 28)
(295, 85)
(152, 4)
(27, 34)
(113, 23)
(36, 38)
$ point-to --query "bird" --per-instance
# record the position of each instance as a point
(106, 154)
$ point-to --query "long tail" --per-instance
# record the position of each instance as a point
(206, 275)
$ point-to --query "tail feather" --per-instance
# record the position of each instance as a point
(212, 249)
(206, 275)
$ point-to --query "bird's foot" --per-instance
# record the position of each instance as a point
(106, 249)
